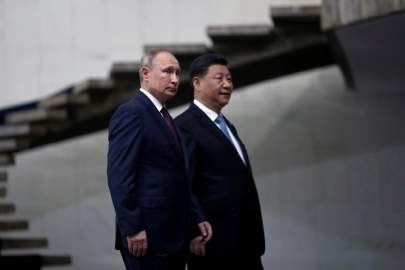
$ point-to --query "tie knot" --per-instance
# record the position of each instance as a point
(220, 119)
(169, 122)
(164, 111)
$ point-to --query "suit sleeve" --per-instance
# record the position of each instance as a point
(125, 141)
(196, 211)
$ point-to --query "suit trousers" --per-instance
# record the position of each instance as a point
(171, 261)
(222, 263)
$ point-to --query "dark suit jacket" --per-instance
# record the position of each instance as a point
(147, 177)
(224, 187)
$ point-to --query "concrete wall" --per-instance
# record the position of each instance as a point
(328, 162)
(343, 12)
(328, 165)
(384, 70)
(46, 45)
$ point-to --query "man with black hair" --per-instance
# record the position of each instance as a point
(222, 180)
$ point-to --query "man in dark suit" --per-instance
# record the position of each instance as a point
(147, 171)
(222, 178)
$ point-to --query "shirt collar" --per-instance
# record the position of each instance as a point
(210, 113)
(154, 100)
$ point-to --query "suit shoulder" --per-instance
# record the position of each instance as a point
(127, 112)
(184, 119)
(130, 107)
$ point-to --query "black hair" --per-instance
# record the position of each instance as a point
(199, 66)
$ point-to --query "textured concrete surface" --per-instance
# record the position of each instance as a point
(328, 166)
(46, 45)
(379, 66)
(328, 162)
(343, 12)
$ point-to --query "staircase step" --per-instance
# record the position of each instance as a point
(22, 130)
(3, 177)
(64, 100)
(234, 31)
(33, 261)
(7, 208)
(94, 89)
(13, 145)
(127, 71)
(13, 225)
(6, 159)
(296, 16)
(178, 49)
(228, 39)
(36, 115)
(3, 192)
(56, 260)
(22, 243)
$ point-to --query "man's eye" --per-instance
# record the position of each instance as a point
(171, 71)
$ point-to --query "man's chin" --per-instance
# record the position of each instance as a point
(225, 101)
(170, 94)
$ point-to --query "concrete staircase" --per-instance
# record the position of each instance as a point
(255, 52)
(33, 261)
(13, 225)
(26, 261)
(3, 192)
(294, 42)
(7, 208)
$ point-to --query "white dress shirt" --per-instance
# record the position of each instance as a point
(213, 116)
(154, 100)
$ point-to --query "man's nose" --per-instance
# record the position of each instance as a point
(174, 78)
(227, 84)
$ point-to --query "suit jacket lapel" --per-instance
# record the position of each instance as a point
(203, 118)
(214, 129)
(157, 117)
(183, 147)
(242, 146)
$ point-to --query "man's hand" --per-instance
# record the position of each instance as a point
(138, 243)
(206, 231)
(197, 246)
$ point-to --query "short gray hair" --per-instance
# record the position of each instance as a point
(147, 59)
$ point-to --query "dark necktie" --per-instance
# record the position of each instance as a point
(169, 122)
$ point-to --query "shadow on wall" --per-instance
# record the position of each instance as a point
(328, 166)
(319, 120)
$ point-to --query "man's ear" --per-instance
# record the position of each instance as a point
(145, 73)
(196, 83)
